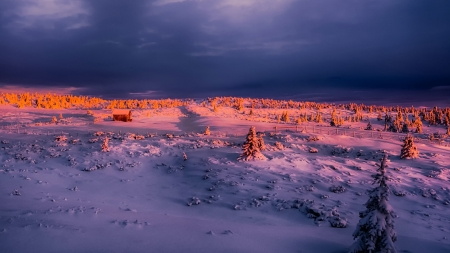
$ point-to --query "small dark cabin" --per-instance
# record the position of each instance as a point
(122, 115)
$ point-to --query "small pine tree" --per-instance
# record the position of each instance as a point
(369, 126)
(418, 124)
(184, 157)
(261, 144)
(105, 147)
(375, 231)
(54, 120)
(409, 150)
(207, 131)
(60, 116)
(251, 147)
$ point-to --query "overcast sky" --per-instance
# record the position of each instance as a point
(194, 48)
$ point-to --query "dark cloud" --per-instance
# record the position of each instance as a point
(195, 48)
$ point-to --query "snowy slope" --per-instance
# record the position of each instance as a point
(69, 196)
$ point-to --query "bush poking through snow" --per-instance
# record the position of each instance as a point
(105, 147)
(279, 146)
(139, 137)
(184, 157)
(194, 201)
(409, 150)
(207, 131)
(251, 147)
(338, 189)
(61, 138)
(313, 150)
(375, 230)
(16, 193)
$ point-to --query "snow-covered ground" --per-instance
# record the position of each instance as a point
(61, 193)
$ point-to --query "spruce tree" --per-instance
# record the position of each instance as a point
(251, 147)
(369, 126)
(418, 124)
(375, 231)
(409, 150)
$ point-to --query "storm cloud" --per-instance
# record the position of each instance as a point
(192, 48)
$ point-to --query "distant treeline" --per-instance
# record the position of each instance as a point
(53, 101)
(433, 116)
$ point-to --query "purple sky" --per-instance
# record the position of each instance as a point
(330, 50)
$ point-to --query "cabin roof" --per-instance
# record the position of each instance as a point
(121, 111)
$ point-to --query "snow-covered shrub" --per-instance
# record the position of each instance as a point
(139, 137)
(184, 157)
(375, 230)
(279, 146)
(93, 140)
(313, 150)
(313, 138)
(194, 201)
(99, 133)
(16, 193)
(61, 138)
(338, 150)
(338, 189)
(409, 150)
(337, 222)
(251, 147)
(207, 131)
(105, 147)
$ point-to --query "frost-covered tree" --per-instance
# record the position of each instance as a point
(184, 157)
(105, 147)
(54, 120)
(369, 126)
(409, 149)
(418, 124)
(251, 147)
(261, 144)
(207, 131)
(375, 231)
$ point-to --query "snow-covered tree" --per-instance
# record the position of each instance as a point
(375, 231)
(184, 157)
(105, 147)
(409, 150)
(207, 131)
(261, 144)
(418, 124)
(54, 120)
(369, 126)
(251, 147)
